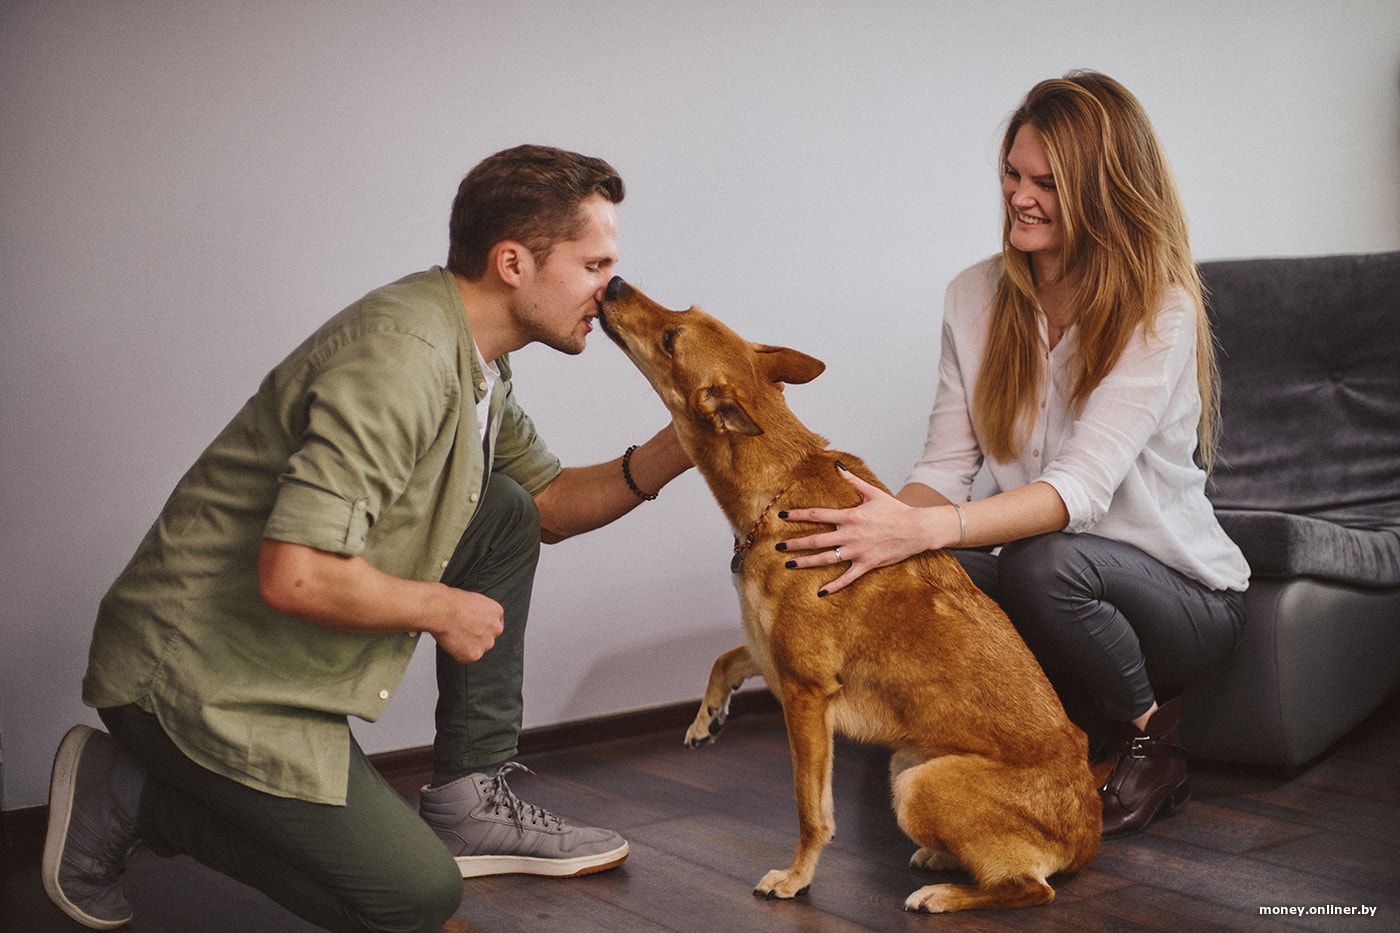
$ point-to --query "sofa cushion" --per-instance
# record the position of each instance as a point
(1307, 474)
(1310, 386)
(1278, 544)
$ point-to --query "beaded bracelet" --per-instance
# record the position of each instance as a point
(627, 475)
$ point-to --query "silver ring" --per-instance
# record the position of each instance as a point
(837, 549)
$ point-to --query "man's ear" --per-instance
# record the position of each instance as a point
(781, 364)
(726, 412)
(511, 260)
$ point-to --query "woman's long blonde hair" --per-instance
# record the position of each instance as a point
(1125, 245)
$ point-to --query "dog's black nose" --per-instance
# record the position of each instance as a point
(614, 288)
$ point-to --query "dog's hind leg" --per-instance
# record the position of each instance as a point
(728, 674)
(960, 809)
(930, 858)
(1012, 892)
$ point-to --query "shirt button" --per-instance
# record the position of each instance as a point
(361, 505)
(384, 694)
(1035, 453)
(442, 564)
(481, 386)
(473, 497)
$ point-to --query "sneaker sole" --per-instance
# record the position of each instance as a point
(62, 788)
(479, 866)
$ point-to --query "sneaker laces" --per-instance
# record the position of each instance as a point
(501, 797)
(112, 856)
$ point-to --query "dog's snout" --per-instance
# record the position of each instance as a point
(614, 289)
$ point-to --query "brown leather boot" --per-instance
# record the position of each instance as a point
(1149, 779)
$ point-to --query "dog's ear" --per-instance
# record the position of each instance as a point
(727, 412)
(782, 364)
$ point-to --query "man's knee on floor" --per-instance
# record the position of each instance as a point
(424, 898)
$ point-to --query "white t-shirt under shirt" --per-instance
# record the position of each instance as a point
(492, 372)
(1125, 467)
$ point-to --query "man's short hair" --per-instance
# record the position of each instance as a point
(530, 194)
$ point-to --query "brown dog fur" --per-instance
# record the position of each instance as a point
(988, 774)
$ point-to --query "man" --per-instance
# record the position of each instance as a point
(382, 483)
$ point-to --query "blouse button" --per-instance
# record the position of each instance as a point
(384, 694)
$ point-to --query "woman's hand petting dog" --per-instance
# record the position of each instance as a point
(880, 531)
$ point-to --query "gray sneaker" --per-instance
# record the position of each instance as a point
(490, 831)
(93, 797)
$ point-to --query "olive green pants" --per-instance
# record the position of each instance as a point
(479, 706)
(372, 864)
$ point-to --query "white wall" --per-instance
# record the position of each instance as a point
(187, 189)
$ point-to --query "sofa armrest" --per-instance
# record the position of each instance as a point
(1314, 660)
(1279, 544)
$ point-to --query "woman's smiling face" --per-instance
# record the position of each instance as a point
(1033, 204)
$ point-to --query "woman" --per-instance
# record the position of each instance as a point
(1078, 366)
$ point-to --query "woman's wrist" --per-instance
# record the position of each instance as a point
(962, 525)
(944, 527)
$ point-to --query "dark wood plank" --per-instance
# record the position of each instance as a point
(705, 825)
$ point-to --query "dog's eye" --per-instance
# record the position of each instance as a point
(668, 340)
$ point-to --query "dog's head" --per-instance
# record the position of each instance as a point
(706, 374)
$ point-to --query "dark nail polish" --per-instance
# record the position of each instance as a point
(791, 565)
(842, 467)
(821, 594)
(782, 515)
(781, 545)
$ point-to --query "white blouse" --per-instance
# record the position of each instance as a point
(1125, 467)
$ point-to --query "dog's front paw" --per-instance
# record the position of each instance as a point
(708, 723)
(782, 883)
(932, 899)
(695, 739)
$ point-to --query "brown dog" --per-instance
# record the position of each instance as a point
(988, 773)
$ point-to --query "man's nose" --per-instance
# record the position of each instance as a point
(614, 289)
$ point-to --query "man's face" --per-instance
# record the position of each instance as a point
(557, 301)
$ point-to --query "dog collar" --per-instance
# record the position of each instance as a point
(741, 547)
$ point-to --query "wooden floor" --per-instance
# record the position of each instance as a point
(705, 825)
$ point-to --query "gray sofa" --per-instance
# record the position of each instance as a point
(1307, 482)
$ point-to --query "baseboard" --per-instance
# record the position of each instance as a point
(22, 830)
(675, 717)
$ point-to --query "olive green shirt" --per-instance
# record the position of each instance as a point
(364, 441)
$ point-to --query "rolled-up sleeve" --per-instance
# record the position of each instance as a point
(372, 409)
